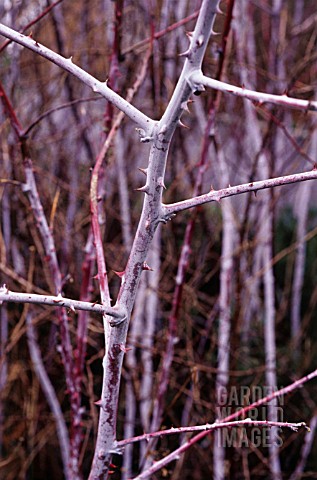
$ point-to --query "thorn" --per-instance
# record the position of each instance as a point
(72, 308)
(120, 274)
(255, 192)
(145, 266)
(98, 403)
(285, 94)
(212, 188)
(161, 183)
(219, 11)
(315, 166)
(184, 106)
(4, 289)
(185, 54)
(189, 34)
(144, 189)
(182, 124)
(59, 298)
(143, 170)
(71, 59)
(213, 33)
(124, 349)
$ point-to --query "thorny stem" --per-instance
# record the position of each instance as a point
(176, 453)
(209, 426)
(154, 212)
(56, 301)
(216, 195)
(83, 317)
(150, 218)
(115, 341)
(178, 292)
(101, 264)
(260, 97)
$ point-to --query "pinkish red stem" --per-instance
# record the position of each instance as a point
(175, 454)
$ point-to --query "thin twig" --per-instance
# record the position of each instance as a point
(208, 427)
(216, 195)
(161, 33)
(175, 454)
(197, 78)
(56, 301)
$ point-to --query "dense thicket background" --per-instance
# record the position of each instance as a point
(271, 45)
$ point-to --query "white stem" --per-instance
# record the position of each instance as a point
(56, 301)
(198, 78)
(301, 209)
(217, 195)
(212, 426)
(225, 301)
